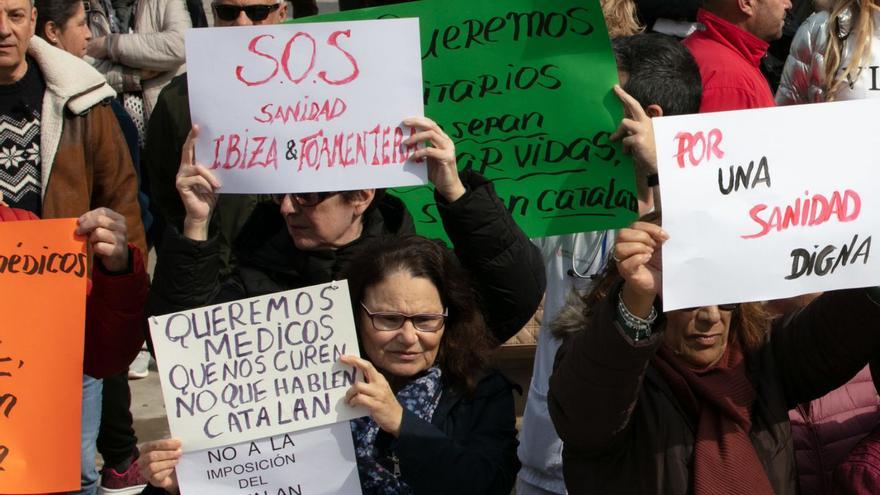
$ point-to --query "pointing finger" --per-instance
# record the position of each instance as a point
(631, 106)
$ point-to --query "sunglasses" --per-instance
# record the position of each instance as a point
(255, 13)
(388, 321)
(305, 199)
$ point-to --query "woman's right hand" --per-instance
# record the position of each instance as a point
(157, 462)
(197, 187)
(637, 253)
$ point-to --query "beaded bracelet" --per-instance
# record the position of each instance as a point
(638, 328)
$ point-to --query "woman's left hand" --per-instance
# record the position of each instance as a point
(108, 237)
(375, 394)
(442, 167)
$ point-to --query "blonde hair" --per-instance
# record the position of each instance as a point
(620, 18)
(862, 28)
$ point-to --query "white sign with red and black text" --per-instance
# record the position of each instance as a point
(759, 205)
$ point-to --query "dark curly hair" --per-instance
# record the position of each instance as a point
(466, 344)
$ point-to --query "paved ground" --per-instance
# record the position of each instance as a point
(148, 408)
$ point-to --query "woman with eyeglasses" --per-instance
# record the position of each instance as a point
(695, 400)
(441, 421)
(298, 240)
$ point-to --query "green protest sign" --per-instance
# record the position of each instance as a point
(523, 87)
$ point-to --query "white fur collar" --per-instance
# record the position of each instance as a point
(69, 78)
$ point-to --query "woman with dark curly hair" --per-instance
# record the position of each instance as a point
(440, 420)
(694, 400)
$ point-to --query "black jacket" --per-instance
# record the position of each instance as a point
(469, 447)
(505, 267)
(639, 439)
(167, 129)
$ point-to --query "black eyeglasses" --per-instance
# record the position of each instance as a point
(390, 320)
(305, 199)
(255, 13)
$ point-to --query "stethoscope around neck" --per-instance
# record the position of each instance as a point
(599, 251)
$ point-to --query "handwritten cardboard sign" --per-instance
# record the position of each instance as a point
(257, 367)
(320, 461)
(756, 209)
(523, 88)
(43, 273)
(306, 108)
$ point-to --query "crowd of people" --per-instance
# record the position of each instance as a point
(759, 397)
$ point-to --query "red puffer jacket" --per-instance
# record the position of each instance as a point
(827, 429)
(114, 311)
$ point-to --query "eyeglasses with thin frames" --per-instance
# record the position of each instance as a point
(305, 199)
(255, 13)
(389, 321)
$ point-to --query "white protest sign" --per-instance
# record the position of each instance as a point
(306, 107)
(257, 367)
(759, 206)
(320, 461)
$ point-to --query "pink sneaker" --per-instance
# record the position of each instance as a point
(129, 482)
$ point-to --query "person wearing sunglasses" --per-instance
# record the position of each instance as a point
(300, 239)
(226, 12)
(694, 400)
(441, 419)
(255, 13)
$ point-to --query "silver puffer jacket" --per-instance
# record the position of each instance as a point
(803, 78)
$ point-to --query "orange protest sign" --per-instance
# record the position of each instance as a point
(43, 273)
